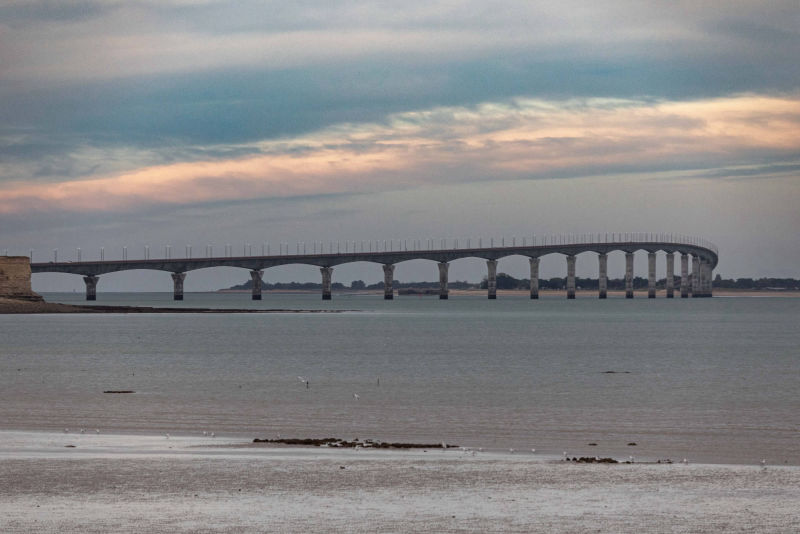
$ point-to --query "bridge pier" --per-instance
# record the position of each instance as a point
(651, 275)
(695, 276)
(257, 284)
(491, 279)
(443, 267)
(602, 275)
(629, 275)
(177, 285)
(705, 278)
(684, 275)
(534, 278)
(327, 274)
(388, 282)
(670, 283)
(91, 286)
(709, 280)
(570, 277)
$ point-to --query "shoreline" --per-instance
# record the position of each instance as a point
(113, 483)
(16, 306)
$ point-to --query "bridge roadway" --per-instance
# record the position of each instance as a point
(704, 259)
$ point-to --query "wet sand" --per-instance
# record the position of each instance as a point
(193, 484)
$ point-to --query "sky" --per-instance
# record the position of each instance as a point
(177, 122)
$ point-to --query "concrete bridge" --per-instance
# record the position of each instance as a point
(701, 253)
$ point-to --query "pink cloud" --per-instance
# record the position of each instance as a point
(524, 138)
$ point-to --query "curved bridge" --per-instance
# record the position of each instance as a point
(704, 258)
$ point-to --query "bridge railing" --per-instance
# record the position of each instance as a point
(407, 245)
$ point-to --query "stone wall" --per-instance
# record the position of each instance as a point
(15, 278)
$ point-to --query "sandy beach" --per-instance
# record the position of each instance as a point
(125, 483)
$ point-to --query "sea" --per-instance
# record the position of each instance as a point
(708, 380)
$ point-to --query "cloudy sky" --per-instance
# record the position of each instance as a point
(174, 122)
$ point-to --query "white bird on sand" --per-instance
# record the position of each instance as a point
(213, 435)
(685, 461)
(303, 380)
(83, 430)
(205, 433)
(763, 463)
(533, 450)
(511, 450)
(96, 430)
(630, 458)
(66, 430)
(166, 435)
(356, 396)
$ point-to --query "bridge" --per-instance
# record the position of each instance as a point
(703, 254)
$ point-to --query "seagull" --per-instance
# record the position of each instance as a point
(511, 450)
(356, 396)
(213, 435)
(83, 431)
(685, 461)
(96, 430)
(303, 380)
(763, 463)
(205, 433)
(533, 450)
(66, 430)
(166, 435)
(630, 458)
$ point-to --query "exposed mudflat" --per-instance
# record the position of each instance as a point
(179, 484)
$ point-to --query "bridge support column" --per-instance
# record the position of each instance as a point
(570, 277)
(388, 282)
(602, 278)
(443, 267)
(534, 278)
(327, 274)
(705, 278)
(177, 285)
(695, 276)
(709, 280)
(651, 275)
(491, 278)
(91, 286)
(257, 284)
(684, 275)
(670, 275)
(629, 275)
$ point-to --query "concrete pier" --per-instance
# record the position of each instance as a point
(491, 278)
(602, 281)
(327, 274)
(534, 278)
(91, 286)
(695, 276)
(709, 279)
(177, 285)
(651, 275)
(570, 277)
(257, 283)
(388, 282)
(670, 275)
(629, 275)
(443, 267)
(684, 275)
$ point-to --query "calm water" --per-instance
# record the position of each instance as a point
(708, 379)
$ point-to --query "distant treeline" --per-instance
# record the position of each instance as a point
(506, 281)
(356, 285)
